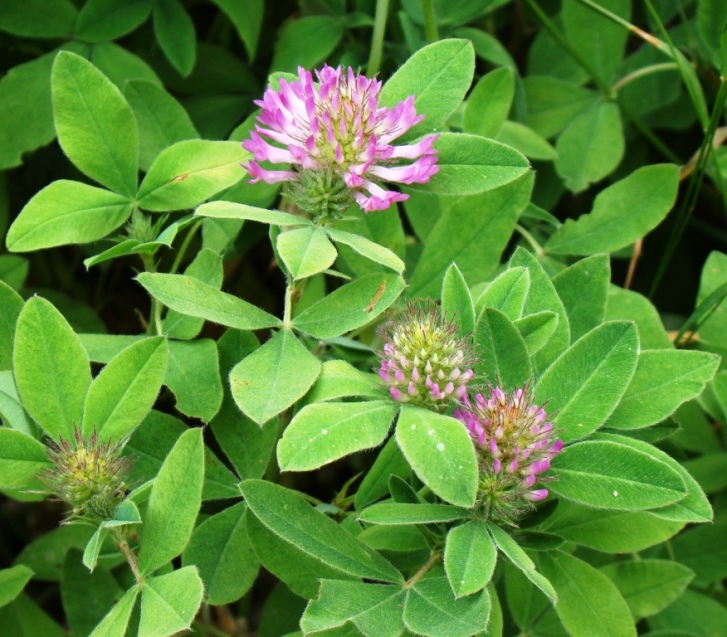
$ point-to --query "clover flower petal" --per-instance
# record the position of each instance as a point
(515, 446)
(334, 124)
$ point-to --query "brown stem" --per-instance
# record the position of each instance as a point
(433, 559)
(125, 549)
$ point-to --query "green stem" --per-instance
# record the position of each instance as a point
(185, 245)
(643, 72)
(553, 30)
(430, 21)
(288, 310)
(531, 240)
(650, 135)
(681, 61)
(155, 317)
(695, 183)
(377, 39)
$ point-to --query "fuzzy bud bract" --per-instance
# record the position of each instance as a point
(88, 475)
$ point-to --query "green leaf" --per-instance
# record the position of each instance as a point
(323, 432)
(67, 212)
(469, 557)
(290, 517)
(305, 251)
(396, 513)
(87, 596)
(553, 103)
(507, 293)
(586, 383)
(339, 379)
(432, 610)
(588, 602)
(457, 301)
(622, 213)
(489, 102)
(174, 503)
(440, 451)
(519, 558)
(45, 555)
(297, 569)
(389, 462)
(306, 42)
(543, 297)
(170, 602)
(13, 270)
(632, 306)
(38, 19)
(11, 409)
(504, 356)
(367, 248)
(591, 147)
(248, 446)
(351, 306)
(470, 165)
(583, 288)
(120, 65)
(713, 329)
(223, 555)
(648, 586)
(104, 20)
(95, 125)
(152, 441)
(206, 267)
(526, 141)
(193, 375)
(161, 119)
(375, 609)
(229, 210)
(536, 329)
(24, 617)
(609, 531)
(192, 297)
(124, 392)
(12, 582)
(247, 18)
(188, 172)
(702, 550)
(597, 38)
(115, 623)
(490, 220)
(273, 377)
(609, 475)
(12, 304)
(694, 507)
(175, 33)
(664, 379)
(691, 611)
(51, 368)
(438, 76)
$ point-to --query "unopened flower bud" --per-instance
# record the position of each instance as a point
(88, 475)
(419, 355)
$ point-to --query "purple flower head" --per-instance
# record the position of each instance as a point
(424, 361)
(515, 445)
(334, 125)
